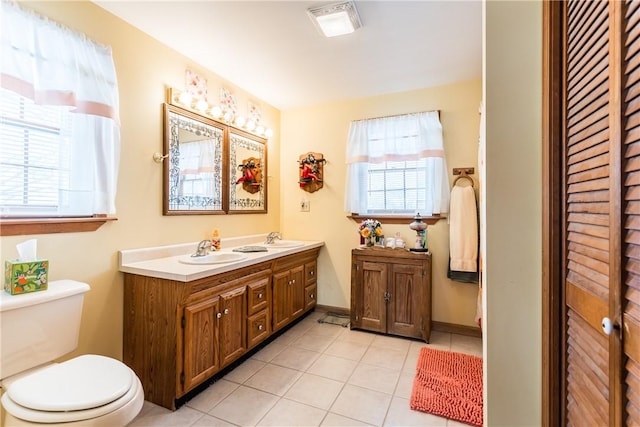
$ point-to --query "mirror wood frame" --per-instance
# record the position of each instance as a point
(226, 168)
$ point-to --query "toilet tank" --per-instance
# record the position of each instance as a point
(38, 327)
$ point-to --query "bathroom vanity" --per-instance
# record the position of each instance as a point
(391, 291)
(185, 323)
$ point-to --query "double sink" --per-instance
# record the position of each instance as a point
(229, 257)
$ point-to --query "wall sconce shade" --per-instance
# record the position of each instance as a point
(335, 19)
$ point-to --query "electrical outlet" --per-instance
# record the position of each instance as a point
(305, 205)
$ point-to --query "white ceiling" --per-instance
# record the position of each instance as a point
(272, 50)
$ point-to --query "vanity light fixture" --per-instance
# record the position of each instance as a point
(186, 100)
(335, 19)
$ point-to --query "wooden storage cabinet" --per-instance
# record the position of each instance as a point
(391, 292)
(178, 335)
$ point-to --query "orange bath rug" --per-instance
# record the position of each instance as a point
(448, 384)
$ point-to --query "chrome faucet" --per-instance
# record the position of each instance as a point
(273, 235)
(204, 247)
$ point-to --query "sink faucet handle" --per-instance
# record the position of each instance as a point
(274, 235)
(203, 248)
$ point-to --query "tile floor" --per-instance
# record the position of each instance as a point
(316, 375)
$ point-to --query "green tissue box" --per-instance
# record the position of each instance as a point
(23, 277)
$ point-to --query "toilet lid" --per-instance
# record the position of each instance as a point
(85, 382)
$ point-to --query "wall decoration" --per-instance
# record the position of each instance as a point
(247, 166)
(228, 104)
(311, 171)
(195, 85)
(255, 113)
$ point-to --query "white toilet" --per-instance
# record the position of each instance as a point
(89, 390)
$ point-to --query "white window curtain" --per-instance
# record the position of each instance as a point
(398, 138)
(53, 65)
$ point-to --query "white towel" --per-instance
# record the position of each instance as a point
(463, 229)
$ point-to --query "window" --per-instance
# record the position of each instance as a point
(59, 129)
(35, 160)
(396, 166)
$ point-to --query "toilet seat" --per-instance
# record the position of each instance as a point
(100, 385)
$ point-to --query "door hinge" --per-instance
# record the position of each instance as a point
(183, 322)
(356, 266)
(181, 377)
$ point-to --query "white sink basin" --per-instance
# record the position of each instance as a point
(213, 258)
(283, 244)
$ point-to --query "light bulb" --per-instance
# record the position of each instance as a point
(240, 121)
(228, 116)
(202, 105)
(268, 133)
(251, 125)
(185, 98)
(259, 130)
(216, 112)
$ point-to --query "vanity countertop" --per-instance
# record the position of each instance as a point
(163, 261)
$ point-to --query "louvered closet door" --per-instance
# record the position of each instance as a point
(591, 134)
(631, 209)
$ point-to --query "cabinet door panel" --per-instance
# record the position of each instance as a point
(200, 342)
(374, 285)
(297, 291)
(281, 297)
(232, 325)
(404, 310)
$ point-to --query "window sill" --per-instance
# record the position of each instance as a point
(395, 219)
(26, 226)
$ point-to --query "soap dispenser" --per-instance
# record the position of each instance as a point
(215, 240)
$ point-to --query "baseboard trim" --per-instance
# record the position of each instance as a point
(337, 310)
(451, 328)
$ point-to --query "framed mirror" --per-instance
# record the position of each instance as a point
(194, 169)
(247, 173)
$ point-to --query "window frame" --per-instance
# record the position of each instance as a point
(395, 219)
(30, 226)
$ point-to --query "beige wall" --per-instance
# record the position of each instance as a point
(324, 129)
(144, 67)
(512, 344)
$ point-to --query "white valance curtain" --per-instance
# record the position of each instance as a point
(406, 137)
(53, 65)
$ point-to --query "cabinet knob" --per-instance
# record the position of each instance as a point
(311, 296)
(311, 272)
(226, 311)
(219, 315)
(260, 327)
(293, 281)
(259, 296)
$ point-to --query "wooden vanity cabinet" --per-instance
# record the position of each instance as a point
(177, 335)
(391, 292)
